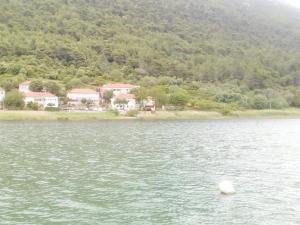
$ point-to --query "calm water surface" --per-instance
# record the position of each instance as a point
(128, 172)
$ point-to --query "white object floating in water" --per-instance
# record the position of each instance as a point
(226, 187)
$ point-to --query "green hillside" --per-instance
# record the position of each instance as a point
(199, 53)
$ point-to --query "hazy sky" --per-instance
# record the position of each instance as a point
(295, 3)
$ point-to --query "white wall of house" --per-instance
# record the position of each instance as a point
(131, 105)
(51, 101)
(118, 91)
(2, 94)
(44, 101)
(79, 96)
(24, 88)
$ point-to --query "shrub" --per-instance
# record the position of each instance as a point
(225, 111)
(14, 100)
(205, 104)
(179, 98)
(132, 113)
(278, 103)
(52, 109)
(115, 112)
(260, 102)
(33, 106)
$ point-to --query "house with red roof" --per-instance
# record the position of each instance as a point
(44, 99)
(124, 102)
(24, 86)
(79, 95)
(117, 88)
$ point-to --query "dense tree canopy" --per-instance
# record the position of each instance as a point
(238, 53)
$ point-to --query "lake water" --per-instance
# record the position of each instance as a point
(162, 172)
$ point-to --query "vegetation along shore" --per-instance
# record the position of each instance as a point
(159, 115)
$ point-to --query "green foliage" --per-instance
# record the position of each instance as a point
(9, 84)
(74, 83)
(33, 106)
(160, 94)
(36, 86)
(132, 113)
(179, 98)
(52, 109)
(260, 102)
(204, 104)
(114, 112)
(140, 93)
(53, 87)
(14, 100)
(107, 96)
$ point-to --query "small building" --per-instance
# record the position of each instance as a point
(2, 97)
(77, 96)
(2, 94)
(124, 102)
(148, 104)
(44, 99)
(117, 88)
(24, 86)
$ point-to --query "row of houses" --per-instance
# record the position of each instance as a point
(121, 99)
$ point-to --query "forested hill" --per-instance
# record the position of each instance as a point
(242, 52)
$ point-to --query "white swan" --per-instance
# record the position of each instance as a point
(226, 187)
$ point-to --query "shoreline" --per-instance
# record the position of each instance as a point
(159, 115)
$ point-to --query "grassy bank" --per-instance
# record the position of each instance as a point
(160, 115)
(41, 115)
(290, 112)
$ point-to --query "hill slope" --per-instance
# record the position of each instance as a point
(243, 53)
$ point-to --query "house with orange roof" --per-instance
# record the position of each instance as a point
(124, 102)
(24, 86)
(78, 95)
(117, 88)
(44, 99)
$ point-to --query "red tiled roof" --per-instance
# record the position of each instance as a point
(83, 91)
(119, 85)
(126, 96)
(26, 82)
(38, 94)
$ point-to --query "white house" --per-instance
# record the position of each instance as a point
(75, 96)
(2, 97)
(2, 94)
(117, 88)
(24, 86)
(124, 102)
(45, 99)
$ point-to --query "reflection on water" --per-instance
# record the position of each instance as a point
(126, 172)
